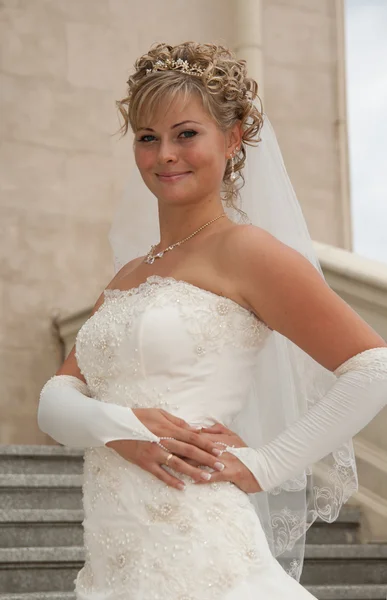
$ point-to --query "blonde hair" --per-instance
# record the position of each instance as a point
(226, 92)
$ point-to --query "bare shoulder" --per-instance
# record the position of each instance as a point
(241, 239)
(253, 256)
(125, 271)
(246, 251)
(291, 296)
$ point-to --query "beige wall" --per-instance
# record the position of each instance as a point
(64, 63)
(302, 59)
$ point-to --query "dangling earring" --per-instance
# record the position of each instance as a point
(233, 174)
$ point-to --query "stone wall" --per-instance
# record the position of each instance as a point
(302, 93)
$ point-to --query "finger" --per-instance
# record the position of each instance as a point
(216, 477)
(187, 451)
(166, 477)
(194, 463)
(195, 439)
(216, 424)
(180, 422)
(177, 464)
(216, 428)
(220, 440)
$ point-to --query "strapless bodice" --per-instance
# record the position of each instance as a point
(172, 345)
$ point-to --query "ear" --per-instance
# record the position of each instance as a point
(233, 139)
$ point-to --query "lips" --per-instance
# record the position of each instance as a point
(172, 176)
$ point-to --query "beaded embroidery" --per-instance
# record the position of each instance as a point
(212, 321)
(143, 538)
(139, 533)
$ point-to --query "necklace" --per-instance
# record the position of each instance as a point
(150, 257)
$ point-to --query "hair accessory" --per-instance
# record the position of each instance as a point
(170, 64)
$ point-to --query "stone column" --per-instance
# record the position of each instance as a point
(342, 129)
(248, 38)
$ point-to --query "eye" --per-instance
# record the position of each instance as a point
(149, 137)
(189, 131)
(142, 138)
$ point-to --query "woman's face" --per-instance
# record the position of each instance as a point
(181, 153)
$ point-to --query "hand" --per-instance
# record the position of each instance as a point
(234, 471)
(186, 443)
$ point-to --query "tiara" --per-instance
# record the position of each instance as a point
(171, 64)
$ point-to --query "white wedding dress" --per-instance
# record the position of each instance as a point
(172, 345)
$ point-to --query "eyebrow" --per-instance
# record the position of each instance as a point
(173, 126)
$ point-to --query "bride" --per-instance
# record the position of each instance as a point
(218, 381)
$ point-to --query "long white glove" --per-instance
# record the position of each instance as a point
(71, 417)
(359, 393)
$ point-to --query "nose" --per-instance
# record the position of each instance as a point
(167, 152)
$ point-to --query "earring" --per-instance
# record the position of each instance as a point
(233, 174)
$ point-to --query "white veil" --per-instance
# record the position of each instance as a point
(287, 381)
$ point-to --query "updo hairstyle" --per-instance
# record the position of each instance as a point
(226, 92)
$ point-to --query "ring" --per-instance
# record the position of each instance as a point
(168, 459)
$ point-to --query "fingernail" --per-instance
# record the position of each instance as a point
(219, 466)
(216, 451)
(196, 427)
(206, 476)
(181, 486)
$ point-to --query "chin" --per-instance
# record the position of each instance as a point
(175, 199)
(176, 196)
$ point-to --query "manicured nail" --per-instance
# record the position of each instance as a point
(216, 451)
(181, 486)
(206, 476)
(196, 427)
(219, 466)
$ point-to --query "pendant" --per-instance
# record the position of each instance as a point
(151, 259)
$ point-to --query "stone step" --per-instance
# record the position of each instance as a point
(24, 528)
(328, 592)
(40, 491)
(345, 530)
(332, 534)
(39, 596)
(43, 569)
(46, 569)
(345, 564)
(345, 592)
(61, 527)
(40, 459)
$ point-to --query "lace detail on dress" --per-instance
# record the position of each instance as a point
(172, 345)
(65, 380)
(213, 323)
(99, 339)
(144, 539)
(374, 361)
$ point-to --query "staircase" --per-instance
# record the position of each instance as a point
(41, 538)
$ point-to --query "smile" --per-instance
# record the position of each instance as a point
(171, 178)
